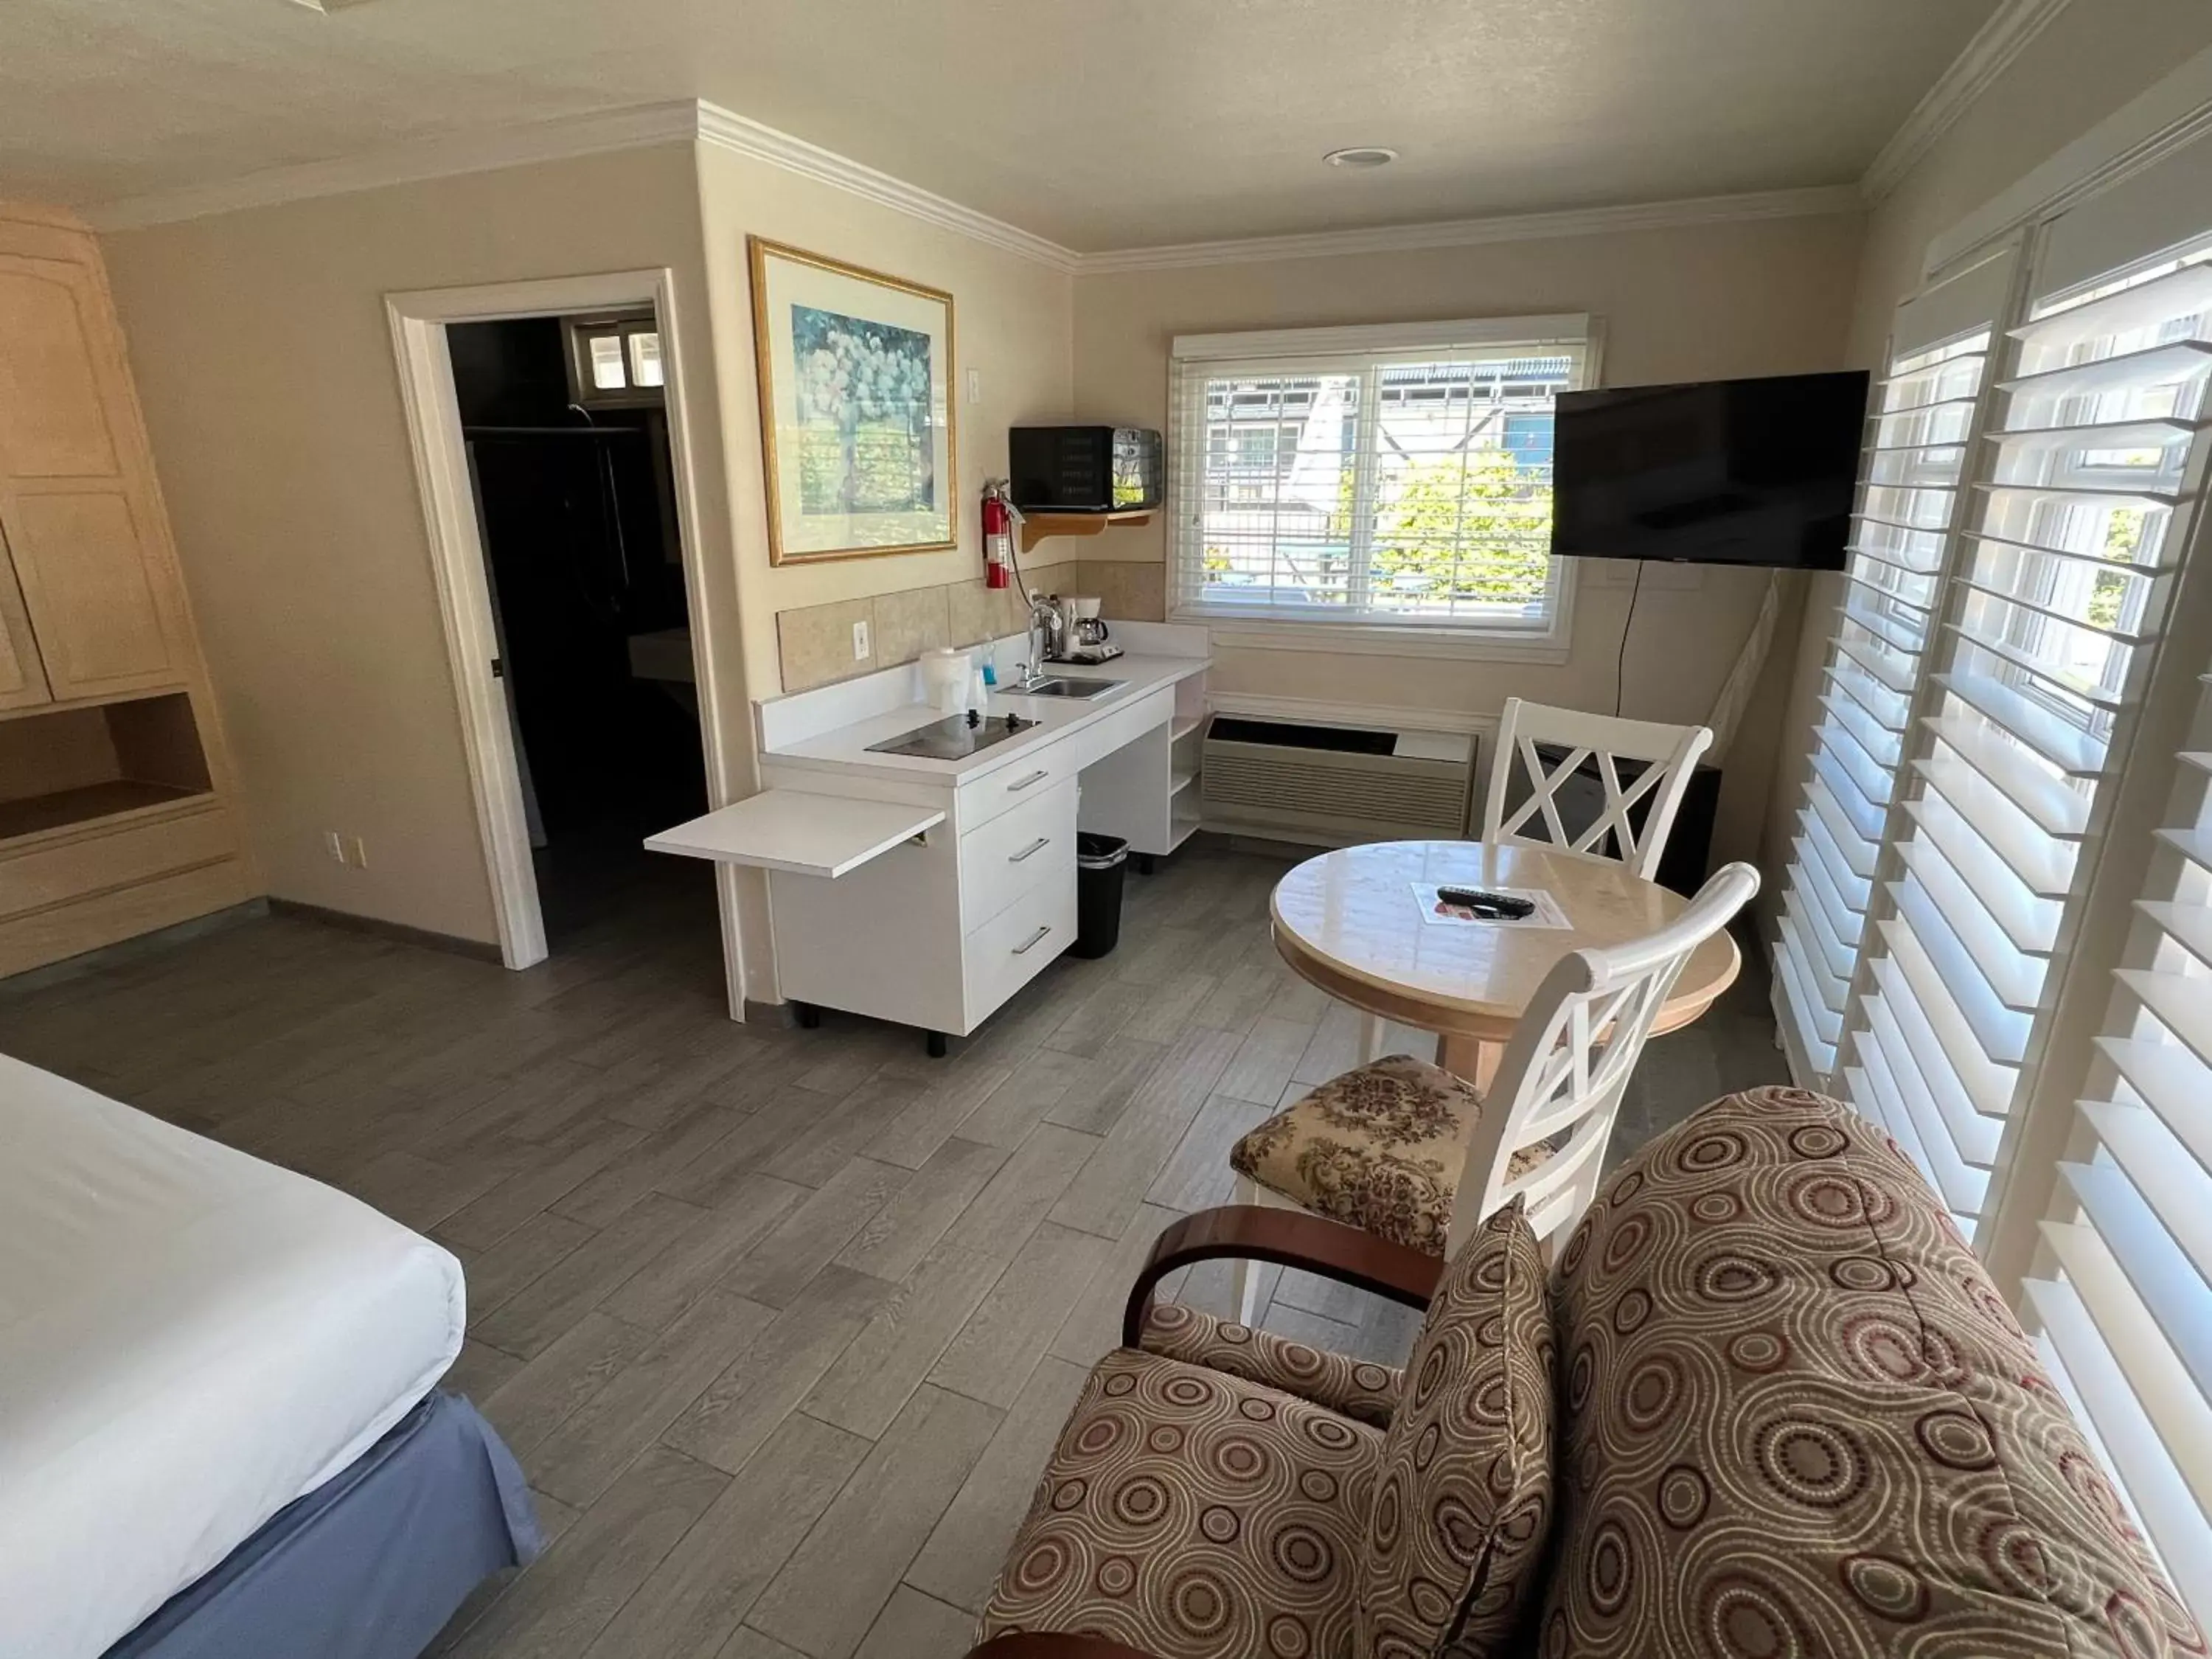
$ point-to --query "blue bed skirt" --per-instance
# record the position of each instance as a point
(372, 1563)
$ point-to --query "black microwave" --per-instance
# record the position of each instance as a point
(1085, 469)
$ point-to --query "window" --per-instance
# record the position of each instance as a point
(1915, 458)
(615, 360)
(645, 357)
(2027, 1009)
(2050, 595)
(2124, 1298)
(1392, 478)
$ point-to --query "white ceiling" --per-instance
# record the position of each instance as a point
(1099, 123)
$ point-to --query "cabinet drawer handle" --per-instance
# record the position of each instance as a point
(1034, 777)
(1040, 843)
(1034, 940)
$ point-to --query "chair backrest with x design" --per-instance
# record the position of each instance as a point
(1560, 1079)
(1666, 754)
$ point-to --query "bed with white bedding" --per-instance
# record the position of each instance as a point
(189, 1340)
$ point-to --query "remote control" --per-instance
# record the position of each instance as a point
(1493, 905)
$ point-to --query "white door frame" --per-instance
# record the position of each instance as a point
(418, 322)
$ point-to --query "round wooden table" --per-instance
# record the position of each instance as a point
(1351, 922)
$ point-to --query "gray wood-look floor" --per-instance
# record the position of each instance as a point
(781, 1324)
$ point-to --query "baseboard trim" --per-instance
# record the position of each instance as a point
(130, 950)
(427, 939)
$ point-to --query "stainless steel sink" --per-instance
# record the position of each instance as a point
(1054, 686)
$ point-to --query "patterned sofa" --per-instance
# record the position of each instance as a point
(1767, 1403)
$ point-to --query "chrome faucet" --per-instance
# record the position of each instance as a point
(1046, 626)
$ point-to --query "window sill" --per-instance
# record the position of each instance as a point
(1380, 639)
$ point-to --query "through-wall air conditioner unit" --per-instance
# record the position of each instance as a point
(1335, 785)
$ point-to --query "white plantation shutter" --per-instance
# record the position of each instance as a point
(1919, 433)
(2124, 1298)
(2059, 579)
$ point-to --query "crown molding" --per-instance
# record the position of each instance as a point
(453, 154)
(445, 156)
(1473, 233)
(643, 126)
(724, 129)
(2165, 118)
(2007, 33)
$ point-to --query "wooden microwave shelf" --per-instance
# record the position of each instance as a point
(1035, 526)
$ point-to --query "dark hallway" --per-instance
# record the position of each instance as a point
(567, 444)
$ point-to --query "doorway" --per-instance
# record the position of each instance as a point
(567, 437)
(549, 437)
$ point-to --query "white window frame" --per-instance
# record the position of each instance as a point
(624, 327)
(1547, 640)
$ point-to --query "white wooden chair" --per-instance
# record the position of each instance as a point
(1408, 1152)
(1668, 754)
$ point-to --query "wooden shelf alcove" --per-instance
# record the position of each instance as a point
(76, 766)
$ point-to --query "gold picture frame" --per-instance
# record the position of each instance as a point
(858, 424)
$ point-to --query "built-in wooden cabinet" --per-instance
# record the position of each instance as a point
(87, 585)
(22, 672)
(116, 811)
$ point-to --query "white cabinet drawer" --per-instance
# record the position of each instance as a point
(1034, 774)
(1124, 724)
(1010, 950)
(1014, 853)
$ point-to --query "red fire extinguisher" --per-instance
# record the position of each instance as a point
(998, 517)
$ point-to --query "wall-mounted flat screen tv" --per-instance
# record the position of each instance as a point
(1756, 472)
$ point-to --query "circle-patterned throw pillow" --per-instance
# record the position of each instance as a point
(1463, 1497)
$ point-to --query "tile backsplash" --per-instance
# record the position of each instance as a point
(815, 641)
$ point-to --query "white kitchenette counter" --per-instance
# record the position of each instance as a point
(925, 890)
(845, 747)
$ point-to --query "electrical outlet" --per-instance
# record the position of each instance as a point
(859, 641)
(1604, 573)
(358, 850)
(1665, 573)
(975, 386)
(334, 844)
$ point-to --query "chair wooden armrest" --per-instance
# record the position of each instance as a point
(1289, 1239)
(1053, 1644)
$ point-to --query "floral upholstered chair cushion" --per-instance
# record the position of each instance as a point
(1358, 1388)
(1194, 1515)
(1379, 1149)
(1463, 1498)
(1798, 1418)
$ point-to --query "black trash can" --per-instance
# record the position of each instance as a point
(1100, 861)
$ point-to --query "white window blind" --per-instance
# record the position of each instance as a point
(1320, 477)
(2031, 661)
(2124, 1303)
(1919, 433)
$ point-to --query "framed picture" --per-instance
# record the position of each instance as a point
(856, 408)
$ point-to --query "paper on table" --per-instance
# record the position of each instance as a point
(1438, 913)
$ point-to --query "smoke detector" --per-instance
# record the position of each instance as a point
(1357, 157)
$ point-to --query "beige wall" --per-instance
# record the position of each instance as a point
(261, 346)
(1012, 322)
(263, 355)
(2091, 60)
(1012, 319)
(1691, 303)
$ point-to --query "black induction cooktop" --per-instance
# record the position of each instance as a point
(954, 737)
